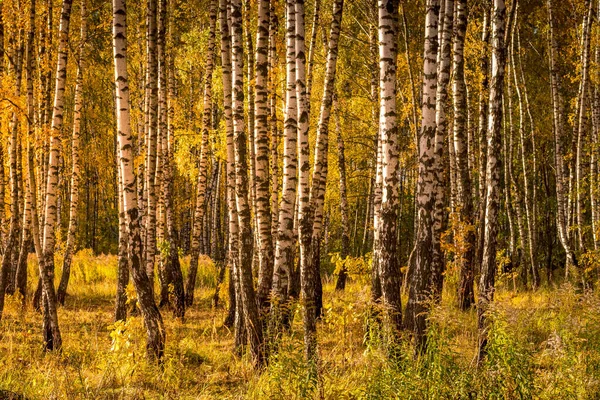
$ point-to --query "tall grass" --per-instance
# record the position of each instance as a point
(543, 344)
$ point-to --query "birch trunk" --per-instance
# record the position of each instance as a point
(52, 336)
(464, 199)
(319, 176)
(273, 127)
(122, 271)
(443, 78)
(203, 164)
(251, 316)
(482, 134)
(420, 277)
(284, 250)
(557, 113)
(153, 322)
(345, 249)
(224, 22)
(21, 273)
(261, 137)
(151, 138)
(581, 123)
(388, 136)
(493, 167)
(76, 166)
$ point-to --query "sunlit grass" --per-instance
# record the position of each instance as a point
(543, 344)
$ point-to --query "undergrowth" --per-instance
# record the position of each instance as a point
(542, 345)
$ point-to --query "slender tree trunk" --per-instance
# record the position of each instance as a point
(251, 316)
(422, 259)
(488, 266)
(261, 138)
(76, 166)
(52, 336)
(320, 168)
(251, 119)
(224, 22)
(273, 128)
(443, 78)
(375, 114)
(482, 134)
(594, 154)
(122, 271)
(388, 136)
(21, 275)
(7, 269)
(202, 167)
(307, 272)
(581, 123)
(345, 249)
(166, 129)
(151, 138)
(561, 175)
(153, 322)
(311, 49)
(464, 199)
(284, 250)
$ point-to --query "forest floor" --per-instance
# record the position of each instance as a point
(543, 344)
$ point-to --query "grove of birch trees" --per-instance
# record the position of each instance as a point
(423, 150)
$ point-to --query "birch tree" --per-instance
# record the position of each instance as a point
(261, 137)
(488, 266)
(202, 166)
(251, 317)
(76, 165)
(388, 136)
(153, 322)
(284, 249)
(421, 268)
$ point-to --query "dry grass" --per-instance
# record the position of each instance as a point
(543, 345)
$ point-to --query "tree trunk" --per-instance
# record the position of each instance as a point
(251, 316)
(261, 137)
(284, 250)
(76, 167)
(482, 134)
(464, 199)
(52, 337)
(122, 271)
(443, 78)
(561, 175)
(345, 249)
(153, 322)
(204, 152)
(581, 123)
(21, 273)
(151, 138)
(422, 259)
(388, 136)
(493, 167)
(319, 176)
